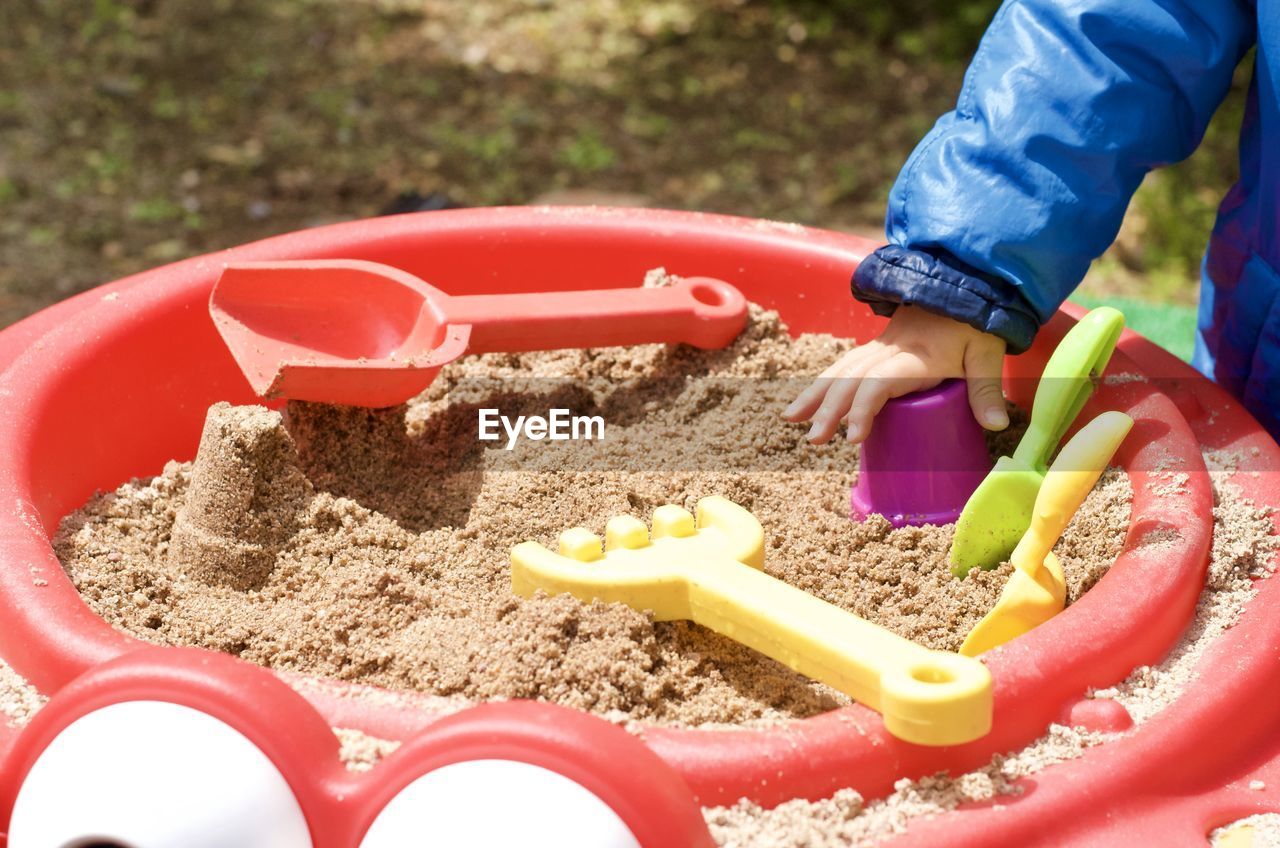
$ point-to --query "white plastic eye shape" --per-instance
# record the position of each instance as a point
(148, 774)
(496, 804)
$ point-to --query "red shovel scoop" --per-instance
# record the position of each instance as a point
(366, 334)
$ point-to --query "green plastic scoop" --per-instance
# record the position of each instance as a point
(999, 511)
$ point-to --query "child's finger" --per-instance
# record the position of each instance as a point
(808, 401)
(892, 378)
(827, 419)
(982, 366)
(835, 406)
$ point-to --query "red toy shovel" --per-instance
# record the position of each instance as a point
(366, 334)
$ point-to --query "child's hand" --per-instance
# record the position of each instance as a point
(916, 351)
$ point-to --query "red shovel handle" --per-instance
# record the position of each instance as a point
(700, 311)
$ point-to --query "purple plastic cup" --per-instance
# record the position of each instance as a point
(924, 457)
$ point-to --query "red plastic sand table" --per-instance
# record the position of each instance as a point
(115, 382)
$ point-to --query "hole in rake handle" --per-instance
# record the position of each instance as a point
(932, 674)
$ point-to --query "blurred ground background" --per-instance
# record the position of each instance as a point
(135, 133)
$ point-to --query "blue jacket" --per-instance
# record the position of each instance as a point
(1067, 104)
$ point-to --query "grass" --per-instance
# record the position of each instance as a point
(1170, 325)
(140, 131)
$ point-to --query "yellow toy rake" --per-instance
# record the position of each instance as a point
(709, 571)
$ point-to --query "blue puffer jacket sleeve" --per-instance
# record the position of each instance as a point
(997, 214)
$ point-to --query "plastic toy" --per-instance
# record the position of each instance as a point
(112, 383)
(709, 571)
(1037, 590)
(922, 460)
(366, 334)
(184, 748)
(999, 512)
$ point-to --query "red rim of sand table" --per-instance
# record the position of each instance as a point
(115, 382)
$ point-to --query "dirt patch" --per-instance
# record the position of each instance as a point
(386, 534)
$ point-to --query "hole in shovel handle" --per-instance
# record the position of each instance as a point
(706, 293)
(714, 312)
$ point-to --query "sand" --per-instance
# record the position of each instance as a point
(385, 535)
(372, 546)
(19, 701)
(1243, 550)
(845, 820)
(1261, 831)
(360, 751)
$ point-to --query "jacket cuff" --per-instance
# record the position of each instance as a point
(940, 283)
